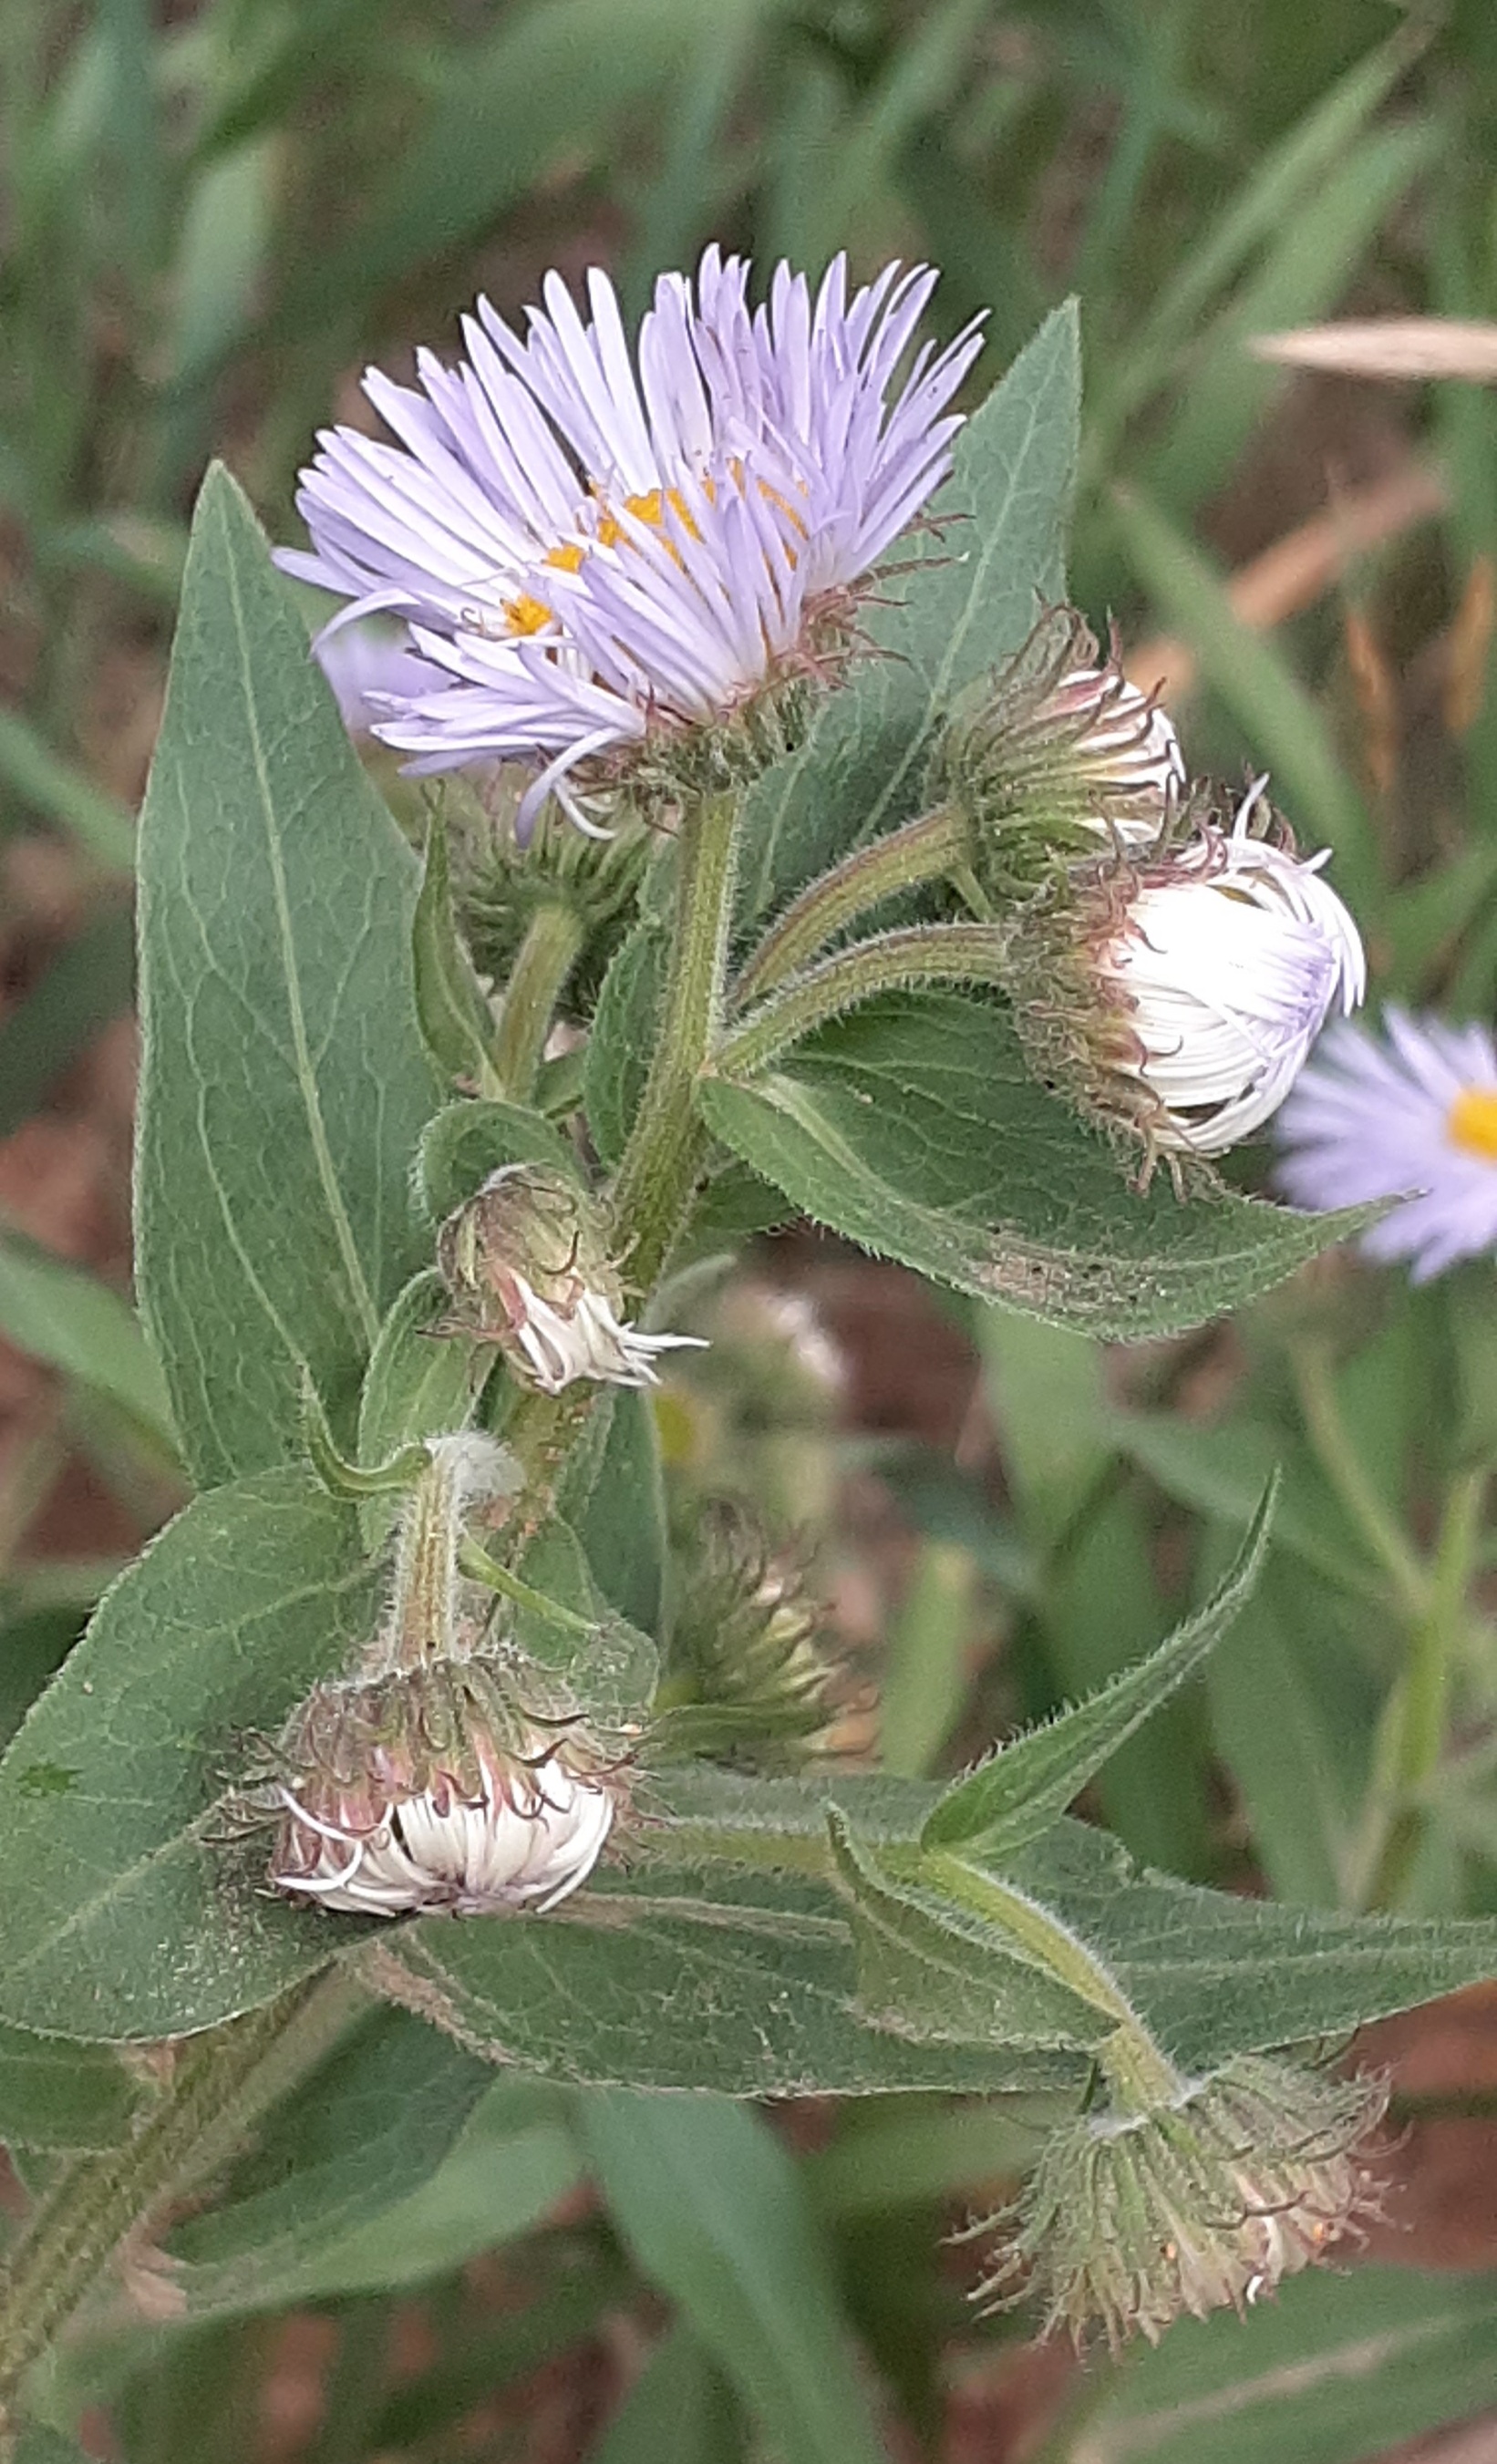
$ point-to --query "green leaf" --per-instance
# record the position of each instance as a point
(1028, 1785)
(926, 1969)
(914, 1128)
(964, 598)
(623, 1037)
(622, 1526)
(398, 2159)
(284, 1083)
(90, 982)
(65, 1316)
(676, 1975)
(713, 2210)
(53, 2095)
(1294, 1711)
(40, 2443)
(465, 1142)
(418, 1385)
(129, 1913)
(455, 1019)
(611, 1669)
(1335, 2368)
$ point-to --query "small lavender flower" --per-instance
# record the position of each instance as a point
(586, 546)
(1414, 1109)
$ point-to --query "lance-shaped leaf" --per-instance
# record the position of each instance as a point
(284, 1081)
(128, 1912)
(455, 1019)
(914, 1128)
(609, 1665)
(623, 1037)
(1025, 1787)
(1334, 2369)
(927, 1967)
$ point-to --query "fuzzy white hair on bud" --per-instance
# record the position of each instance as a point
(1229, 957)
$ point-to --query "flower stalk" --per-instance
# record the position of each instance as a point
(922, 953)
(665, 1149)
(929, 849)
(546, 957)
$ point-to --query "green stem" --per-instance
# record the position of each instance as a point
(546, 957)
(1347, 1474)
(667, 1144)
(1139, 2068)
(923, 954)
(923, 852)
(221, 2081)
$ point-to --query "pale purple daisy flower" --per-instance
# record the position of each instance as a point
(585, 545)
(1230, 955)
(1415, 1110)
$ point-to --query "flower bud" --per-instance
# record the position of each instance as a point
(429, 1789)
(1131, 2219)
(1059, 753)
(1180, 995)
(745, 1680)
(527, 1266)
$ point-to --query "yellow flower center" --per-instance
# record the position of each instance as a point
(525, 614)
(1472, 1122)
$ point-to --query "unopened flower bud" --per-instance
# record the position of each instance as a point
(429, 1789)
(745, 1680)
(1059, 753)
(1181, 996)
(1131, 2219)
(527, 1266)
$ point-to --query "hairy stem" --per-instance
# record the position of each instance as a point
(924, 850)
(546, 957)
(924, 954)
(221, 2081)
(667, 1143)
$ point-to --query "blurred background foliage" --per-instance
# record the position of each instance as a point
(212, 217)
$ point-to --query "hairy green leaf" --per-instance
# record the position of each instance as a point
(55, 2095)
(284, 1081)
(1028, 1785)
(455, 1019)
(129, 1913)
(914, 1128)
(465, 1142)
